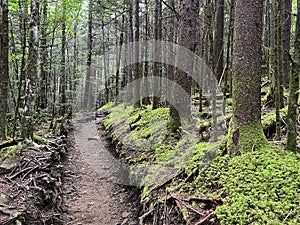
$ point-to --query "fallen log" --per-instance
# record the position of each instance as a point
(10, 143)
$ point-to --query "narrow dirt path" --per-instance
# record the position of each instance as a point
(90, 196)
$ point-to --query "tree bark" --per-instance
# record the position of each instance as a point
(157, 56)
(31, 72)
(292, 127)
(137, 87)
(245, 132)
(4, 73)
(219, 39)
(63, 79)
(286, 39)
(188, 39)
(89, 58)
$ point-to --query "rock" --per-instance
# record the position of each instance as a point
(125, 222)
(5, 199)
(12, 159)
(125, 214)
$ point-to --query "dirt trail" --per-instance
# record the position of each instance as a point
(90, 196)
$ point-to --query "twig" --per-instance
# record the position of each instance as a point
(6, 211)
(188, 207)
(205, 219)
(143, 217)
(287, 215)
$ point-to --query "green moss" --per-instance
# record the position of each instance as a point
(262, 187)
(269, 119)
(39, 140)
(245, 138)
(106, 106)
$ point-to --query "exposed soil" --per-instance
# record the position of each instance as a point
(91, 197)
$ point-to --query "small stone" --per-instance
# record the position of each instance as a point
(125, 214)
(5, 199)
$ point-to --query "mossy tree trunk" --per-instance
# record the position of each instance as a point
(245, 132)
(4, 68)
(31, 73)
(293, 91)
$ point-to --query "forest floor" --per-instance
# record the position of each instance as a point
(91, 197)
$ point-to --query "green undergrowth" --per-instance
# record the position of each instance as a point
(260, 186)
(269, 119)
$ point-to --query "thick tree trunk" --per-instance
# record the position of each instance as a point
(245, 132)
(4, 70)
(188, 39)
(294, 91)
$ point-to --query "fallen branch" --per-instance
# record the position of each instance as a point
(6, 211)
(187, 206)
(9, 143)
(203, 200)
(143, 217)
(208, 217)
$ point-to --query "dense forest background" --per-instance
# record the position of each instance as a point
(187, 84)
(58, 56)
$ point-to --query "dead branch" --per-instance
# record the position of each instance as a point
(9, 143)
(203, 200)
(143, 217)
(208, 217)
(187, 206)
(6, 211)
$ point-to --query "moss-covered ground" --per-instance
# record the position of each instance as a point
(260, 186)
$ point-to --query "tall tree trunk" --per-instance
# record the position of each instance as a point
(32, 69)
(146, 86)
(4, 73)
(137, 87)
(278, 69)
(219, 39)
(23, 41)
(89, 58)
(171, 53)
(245, 132)
(63, 79)
(157, 55)
(286, 40)
(292, 127)
(119, 55)
(188, 39)
(44, 58)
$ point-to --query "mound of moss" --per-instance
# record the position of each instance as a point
(261, 186)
